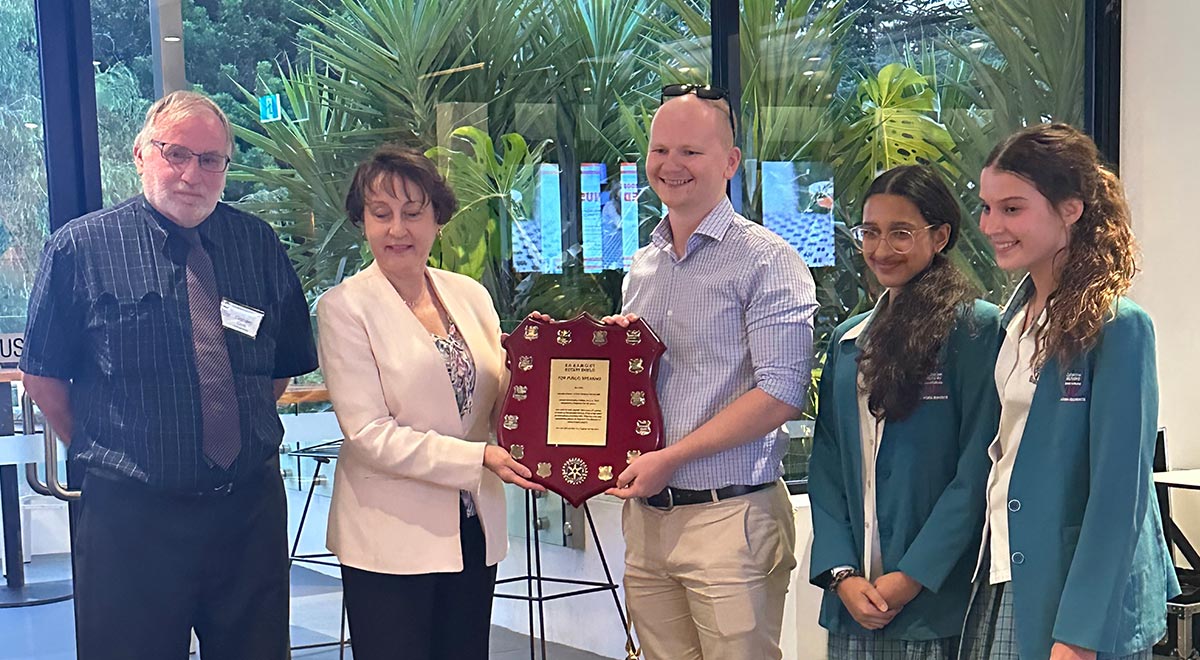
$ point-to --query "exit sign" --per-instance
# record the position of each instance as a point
(269, 109)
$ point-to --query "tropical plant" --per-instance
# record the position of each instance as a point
(491, 188)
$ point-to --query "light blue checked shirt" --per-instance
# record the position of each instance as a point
(735, 312)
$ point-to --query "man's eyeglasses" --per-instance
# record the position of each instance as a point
(706, 92)
(902, 241)
(177, 154)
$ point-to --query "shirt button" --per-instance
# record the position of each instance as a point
(1014, 505)
(1018, 558)
(669, 312)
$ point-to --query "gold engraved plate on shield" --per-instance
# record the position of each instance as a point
(564, 337)
(633, 337)
(511, 422)
(543, 470)
(630, 455)
(599, 337)
(520, 392)
(531, 332)
(637, 398)
(574, 471)
(636, 366)
(517, 451)
(605, 473)
(578, 410)
(643, 427)
(525, 363)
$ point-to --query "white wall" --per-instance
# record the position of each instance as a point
(1160, 144)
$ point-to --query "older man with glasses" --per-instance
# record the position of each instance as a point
(161, 332)
(710, 538)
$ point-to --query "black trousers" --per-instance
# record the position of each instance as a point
(433, 616)
(150, 567)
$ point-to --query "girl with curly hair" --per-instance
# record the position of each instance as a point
(1073, 565)
(899, 461)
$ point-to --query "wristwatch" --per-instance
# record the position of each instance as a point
(840, 575)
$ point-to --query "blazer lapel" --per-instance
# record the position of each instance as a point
(464, 317)
(415, 345)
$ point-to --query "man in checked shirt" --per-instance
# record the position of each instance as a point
(161, 332)
(708, 525)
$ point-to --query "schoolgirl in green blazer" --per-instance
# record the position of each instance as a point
(1074, 566)
(907, 408)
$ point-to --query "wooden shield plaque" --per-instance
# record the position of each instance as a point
(580, 404)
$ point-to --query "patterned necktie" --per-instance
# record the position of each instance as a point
(218, 403)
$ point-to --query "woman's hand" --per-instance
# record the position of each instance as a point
(865, 603)
(508, 469)
(539, 316)
(1063, 651)
(622, 320)
(897, 588)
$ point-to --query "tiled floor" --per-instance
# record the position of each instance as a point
(45, 632)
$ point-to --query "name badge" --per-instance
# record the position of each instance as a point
(240, 318)
(934, 388)
(1075, 390)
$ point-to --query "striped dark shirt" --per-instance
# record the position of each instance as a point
(109, 312)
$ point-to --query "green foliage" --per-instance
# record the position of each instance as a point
(491, 188)
(890, 124)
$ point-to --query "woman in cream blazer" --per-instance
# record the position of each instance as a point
(411, 356)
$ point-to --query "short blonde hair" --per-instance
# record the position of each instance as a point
(176, 106)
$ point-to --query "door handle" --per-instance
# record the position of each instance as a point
(52, 487)
(28, 422)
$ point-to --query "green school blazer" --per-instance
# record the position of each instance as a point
(931, 478)
(1089, 563)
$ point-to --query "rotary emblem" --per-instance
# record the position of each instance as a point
(574, 471)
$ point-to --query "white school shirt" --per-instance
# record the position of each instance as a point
(870, 433)
(1016, 382)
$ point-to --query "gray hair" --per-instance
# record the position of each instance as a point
(176, 106)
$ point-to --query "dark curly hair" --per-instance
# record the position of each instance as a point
(1100, 259)
(906, 337)
(390, 165)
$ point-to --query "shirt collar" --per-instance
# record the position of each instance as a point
(714, 225)
(856, 333)
(1018, 299)
(162, 228)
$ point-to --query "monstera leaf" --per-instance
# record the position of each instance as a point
(892, 124)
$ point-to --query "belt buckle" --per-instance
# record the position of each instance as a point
(670, 501)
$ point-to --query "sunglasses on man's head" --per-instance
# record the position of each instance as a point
(706, 92)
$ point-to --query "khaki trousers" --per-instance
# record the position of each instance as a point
(708, 581)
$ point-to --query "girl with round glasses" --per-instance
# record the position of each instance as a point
(899, 459)
(1074, 565)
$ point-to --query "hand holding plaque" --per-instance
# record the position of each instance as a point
(580, 404)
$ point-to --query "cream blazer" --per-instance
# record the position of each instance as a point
(406, 452)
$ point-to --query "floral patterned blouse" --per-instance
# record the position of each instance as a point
(461, 368)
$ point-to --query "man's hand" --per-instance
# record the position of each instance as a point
(622, 320)
(897, 588)
(1062, 651)
(865, 603)
(647, 475)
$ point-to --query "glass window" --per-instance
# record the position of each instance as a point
(124, 89)
(23, 203)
